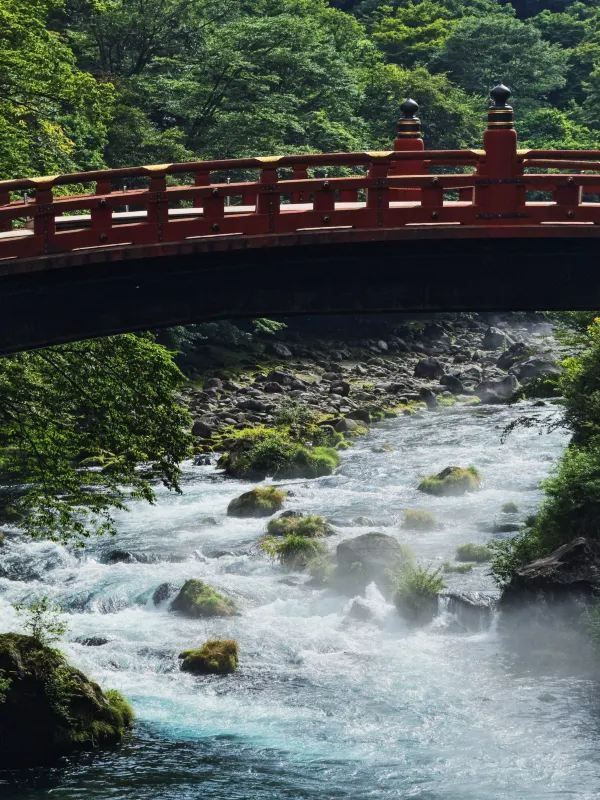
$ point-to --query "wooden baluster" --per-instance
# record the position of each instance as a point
(268, 200)
(5, 224)
(44, 222)
(201, 178)
(324, 201)
(378, 196)
(432, 198)
(102, 212)
(568, 197)
(214, 210)
(158, 206)
(299, 173)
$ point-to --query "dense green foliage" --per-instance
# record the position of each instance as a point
(84, 428)
(572, 494)
(86, 82)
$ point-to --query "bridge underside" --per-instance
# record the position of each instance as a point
(98, 292)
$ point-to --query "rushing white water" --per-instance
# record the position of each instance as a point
(322, 706)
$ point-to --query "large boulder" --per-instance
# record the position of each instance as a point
(215, 657)
(263, 501)
(454, 384)
(429, 368)
(497, 391)
(571, 572)
(371, 557)
(199, 600)
(494, 338)
(514, 353)
(49, 709)
(536, 368)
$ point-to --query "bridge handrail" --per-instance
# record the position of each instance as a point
(308, 160)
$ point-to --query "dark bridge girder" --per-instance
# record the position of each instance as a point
(95, 293)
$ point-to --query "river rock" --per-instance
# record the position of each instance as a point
(454, 384)
(368, 558)
(515, 352)
(536, 368)
(572, 571)
(494, 338)
(281, 350)
(199, 600)
(163, 592)
(260, 502)
(497, 391)
(273, 388)
(215, 657)
(49, 708)
(205, 427)
(473, 610)
(429, 368)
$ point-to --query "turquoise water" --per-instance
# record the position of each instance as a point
(323, 706)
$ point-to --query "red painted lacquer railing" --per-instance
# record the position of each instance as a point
(406, 187)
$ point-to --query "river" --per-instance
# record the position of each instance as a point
(323, 706)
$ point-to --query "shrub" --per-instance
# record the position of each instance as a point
(451, 481)
(473, 552)
(260, 502)
(460, 569)
(310, 525)
(417, 589)
(198, 599)
(508, 555)
(293, 551)
(216, 656)
(417, 520)
(43, 620)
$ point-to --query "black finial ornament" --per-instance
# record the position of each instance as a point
(500, 95)
(500, 114)
(409, 127)
(409, 108)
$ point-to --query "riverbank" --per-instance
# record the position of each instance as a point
(339, 375)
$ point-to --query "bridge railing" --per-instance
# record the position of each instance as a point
(406, 187)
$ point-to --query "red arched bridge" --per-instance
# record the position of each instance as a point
(93, 253)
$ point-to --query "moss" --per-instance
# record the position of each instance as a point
(293, 551)
(418, 520)
(270, 452)
(510, 508)
(446, 400)
(460, 569)
(215, 657)
(416, 596)
(299, 525)
(48, 708)
(451, 481)
(260, 502)
(473, 552)
(198, 599)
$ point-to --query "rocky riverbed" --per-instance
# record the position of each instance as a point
(465, 359)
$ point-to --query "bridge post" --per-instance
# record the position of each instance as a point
(5, 225)
(408, 139)
(501, 194)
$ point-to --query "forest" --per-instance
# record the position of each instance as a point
(91, 83)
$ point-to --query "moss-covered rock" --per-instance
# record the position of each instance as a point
(452, 481)
(265, 452)
(415, 519)
(260, 502)
(49, 709)
(198, 599)
(215, 657)
(473, 552)
(300, 525)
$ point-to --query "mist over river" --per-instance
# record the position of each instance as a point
(323, 706)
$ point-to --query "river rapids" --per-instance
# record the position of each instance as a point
(323, 706)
